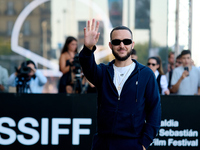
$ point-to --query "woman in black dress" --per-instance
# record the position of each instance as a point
(65, 64)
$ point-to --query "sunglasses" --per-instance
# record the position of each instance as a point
(118, 42)
(148, 64)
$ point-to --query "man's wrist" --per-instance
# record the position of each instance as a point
(90, 47)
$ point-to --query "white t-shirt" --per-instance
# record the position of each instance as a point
(163, 82)
(189, 85)
(121, 74)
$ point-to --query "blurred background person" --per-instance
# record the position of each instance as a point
(170, 68)
(192, 62)
(171, 61)
(155, 64)
(169, 74)
(72, 80)
(186, 78)
(178, 61)
(134, 54)
(3, 79)
(65, 63)
(27, 79)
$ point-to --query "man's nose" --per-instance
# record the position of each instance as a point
(121, 44)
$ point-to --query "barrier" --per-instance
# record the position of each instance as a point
(58, 121)
(180, 124)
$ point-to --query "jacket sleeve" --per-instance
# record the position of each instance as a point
(41, 78)
(91, 70)
(153, 111)
(11, 80)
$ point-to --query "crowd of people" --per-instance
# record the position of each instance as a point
(182, 77)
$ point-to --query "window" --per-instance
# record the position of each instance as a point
(26, 45)
(10, 8)
(26, 29)
(81, 26)
(115, 12)
(25, 3)
(142, 14)
(9, 27)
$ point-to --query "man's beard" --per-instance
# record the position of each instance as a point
(121, 58)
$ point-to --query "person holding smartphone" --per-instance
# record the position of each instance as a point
(186, 78)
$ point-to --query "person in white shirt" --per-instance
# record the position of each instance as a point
(186, 78)
(155, 64)
(27, 79)
(3, 79)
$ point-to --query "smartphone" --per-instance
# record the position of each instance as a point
(187, 69)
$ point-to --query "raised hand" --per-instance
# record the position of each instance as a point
(91, 34)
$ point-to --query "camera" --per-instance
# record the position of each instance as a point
(23, 71)
(22, 79)
(78, 87)
(77, 66)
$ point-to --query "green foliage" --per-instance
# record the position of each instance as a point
(5, 48)
(142, 52)
(163, 53)
(170, 50)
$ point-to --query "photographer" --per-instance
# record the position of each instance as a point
(3, 79)
(27, 78)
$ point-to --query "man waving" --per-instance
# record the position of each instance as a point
(129, 110)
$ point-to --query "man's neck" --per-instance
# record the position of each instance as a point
(123, 63)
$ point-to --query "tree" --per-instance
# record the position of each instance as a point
(5, 48)
(142, 52)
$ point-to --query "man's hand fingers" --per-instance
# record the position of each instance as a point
(97, 37)
(97, 26)
(84, 32)
(93, 24)
(88, 25)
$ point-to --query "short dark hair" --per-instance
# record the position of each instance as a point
(120, 28)
(133, 52)
(179, 56)
(185, 52)
(25, 63)
(170, 53)
(158, 60)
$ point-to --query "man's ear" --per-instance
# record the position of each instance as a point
(133, 44)
(110, 45)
